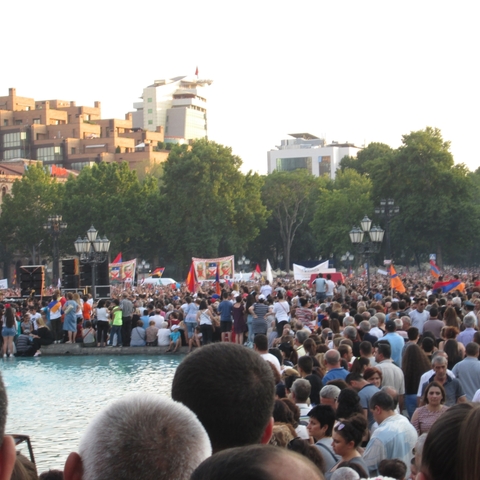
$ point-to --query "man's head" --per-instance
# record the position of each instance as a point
(365, 349)
(469, 322)
(373, 321)
(393, 393)
(364, 326)
(138, 436)
(232, 383)
(356, 381)
(260, 343)
(439, 365)
(472, 349)
(305, 364)
(329, 395)
(7, 446)
(300, 337)
(350, 333)
(332, 359)
(345, 352)
(259, 462)
(382, 405)
(383, 351)
(301, 390)
(413, 334)
(421, 304)
(322, 419)
(390, 326)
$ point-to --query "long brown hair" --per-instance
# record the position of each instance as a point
(414, 364)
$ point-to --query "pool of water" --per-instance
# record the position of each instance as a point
(53, 399)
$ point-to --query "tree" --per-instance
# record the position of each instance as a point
(110, 197)
(290, 196)
(211, 208)
(341, 204)
(35, 196)
(368, 159)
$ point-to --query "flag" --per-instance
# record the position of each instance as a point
(191, 279)
(218, 290)
(269, 272)
(453, 284)
(118, 258)
(434, 270)
(158, 272)
(59, 283)
(257, 273)
(55, 305)
(395, 281)
(196, 71)
(350, 272)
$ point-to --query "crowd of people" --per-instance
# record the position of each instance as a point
(322, 380)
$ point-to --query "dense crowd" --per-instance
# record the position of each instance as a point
(313, 380)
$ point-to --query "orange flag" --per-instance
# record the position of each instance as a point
(395, 281)
(191, 279)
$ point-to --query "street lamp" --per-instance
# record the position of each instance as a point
(243, 261)
(54, 226)
(387, 210)
(367, 247)
(347, 259)
(92, 250)
(145, 268)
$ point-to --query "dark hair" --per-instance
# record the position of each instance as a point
(366, 347)
(261, 342)
(51, 475)
(306, 364)
(412, 333)
(255, 462)
(471, 349)
(281, 413)
(384, 348)
(359, 365)
(294, 409)
(441, 452)
(393, 467)
(242, 380)
(100, 304)
(203, 305)
(353, 429)
(450, 347)
(414, 364)
(303, 447)
(383, 400)
(428, 344)
(348, 403)
(325, 415)
(362, 473)
(310, 347)
(469, 468)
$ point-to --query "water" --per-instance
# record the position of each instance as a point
(52, 399)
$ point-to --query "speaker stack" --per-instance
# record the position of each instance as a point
(32, 280)
(70, 273)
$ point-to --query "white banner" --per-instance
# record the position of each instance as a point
(3, 284)
(304, 273)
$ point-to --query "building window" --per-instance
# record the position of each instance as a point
(149, 100)
(5, 123)
(73, 150)
(15, 153)
(324, 167)
(150, 122)
(87, 118)
(27, 108)
(18, 122)
(13, 139)
(150, 110)
(289, 164)
(36, 121)
(49, 154)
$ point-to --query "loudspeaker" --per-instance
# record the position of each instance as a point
(70, 273)
(103, 277)
(103, 291)
(32, 277)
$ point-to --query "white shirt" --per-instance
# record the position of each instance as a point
(376, 332)
(427, 376)
(272, 359)
(330, 288)
(266, 290)
(418, 319)
(281, 311)
(158, 319)
(163, 336)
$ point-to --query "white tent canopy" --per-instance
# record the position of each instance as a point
(157, 281)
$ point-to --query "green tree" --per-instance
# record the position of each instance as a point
(341, 204)
(210, 207)
(110, 197)
(35, 196)
(368, 159)
(290, 197)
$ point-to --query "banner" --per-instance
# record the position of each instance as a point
(3, 284)
(206, 268)
(304, 273)
(122, 272)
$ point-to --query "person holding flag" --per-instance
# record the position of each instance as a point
(395, 281)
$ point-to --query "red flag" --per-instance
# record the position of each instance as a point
(257, 273)
(218, 290)
(191, 279)
(158, 272)
(118, 258)
(196, 71)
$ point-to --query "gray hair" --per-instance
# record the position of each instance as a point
(469, 321)
(345, 473)
(348, 321)
(381, 317)
(302, 335)
(332, 357)
(406, 319)
(115, 442)
(398, 324)
(373, 321)
(330, 391)
(439, 360)
(350, 332)
(365, 325)
(301, 388)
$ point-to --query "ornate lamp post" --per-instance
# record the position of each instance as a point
(367, 247)
(387, 210)
(347, 259)
(243, 261)
(92, 250)
(54, 226)
(145, 268)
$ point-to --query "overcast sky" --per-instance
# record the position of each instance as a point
(360, 71)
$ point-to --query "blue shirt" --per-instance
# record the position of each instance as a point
(225, 309)
(396, 344)
(334, 374)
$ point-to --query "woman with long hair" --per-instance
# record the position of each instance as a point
(9, 331)
(281, 309)
(452, 349)
(238, 314)
(206, 319)
(450, 318)
(414, 364)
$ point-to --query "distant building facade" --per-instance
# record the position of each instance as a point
(63, 134)
(309, 152)
(178, 105)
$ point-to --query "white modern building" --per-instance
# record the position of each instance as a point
(304, 150)
(179, 105)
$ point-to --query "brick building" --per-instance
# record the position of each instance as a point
(63, 134)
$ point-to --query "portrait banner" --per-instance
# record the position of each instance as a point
(123, 271)
(206, 268)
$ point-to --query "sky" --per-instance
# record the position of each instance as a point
(357, 71)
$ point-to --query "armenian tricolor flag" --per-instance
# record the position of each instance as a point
(453, 284)
(395, 281)
(434, 270)
(218, 289)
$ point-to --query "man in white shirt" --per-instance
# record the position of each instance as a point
(266, 289)
(420, 315)
(260, 345)
(330, 288)
(300, 392)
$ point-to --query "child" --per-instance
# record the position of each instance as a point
(175, 339)
(196, 339)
